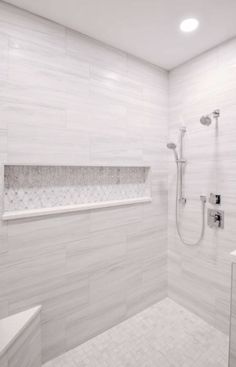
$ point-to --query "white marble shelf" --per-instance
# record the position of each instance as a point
(12, 326)
(18, 214)
(105, 165)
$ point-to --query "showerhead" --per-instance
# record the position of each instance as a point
(205, 120)
(172, 146)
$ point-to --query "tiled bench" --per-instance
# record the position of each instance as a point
(232, 344)
(20, 339)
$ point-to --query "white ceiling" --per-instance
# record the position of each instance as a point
(148, 29)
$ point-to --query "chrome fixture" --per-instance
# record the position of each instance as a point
(207, 119)
(172, 146)
(215, 218)
(181, 163)
(215, 199)
(179, 198)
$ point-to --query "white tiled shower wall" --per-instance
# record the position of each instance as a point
(69, 100)
(199, 277)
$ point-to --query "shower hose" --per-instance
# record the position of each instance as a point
(203, 205)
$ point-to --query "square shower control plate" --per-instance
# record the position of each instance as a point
(215, 218)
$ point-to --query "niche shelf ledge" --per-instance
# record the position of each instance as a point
(18, 214)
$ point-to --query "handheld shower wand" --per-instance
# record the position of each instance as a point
(172, 146)
(180, 200)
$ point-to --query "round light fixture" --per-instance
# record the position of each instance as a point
(189, 25)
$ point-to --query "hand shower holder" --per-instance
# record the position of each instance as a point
(182, 161)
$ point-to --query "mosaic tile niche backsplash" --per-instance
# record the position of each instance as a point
(35, 187)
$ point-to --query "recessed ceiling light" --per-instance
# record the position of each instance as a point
(189, 25)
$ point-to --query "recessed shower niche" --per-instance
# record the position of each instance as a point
(42, 190)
